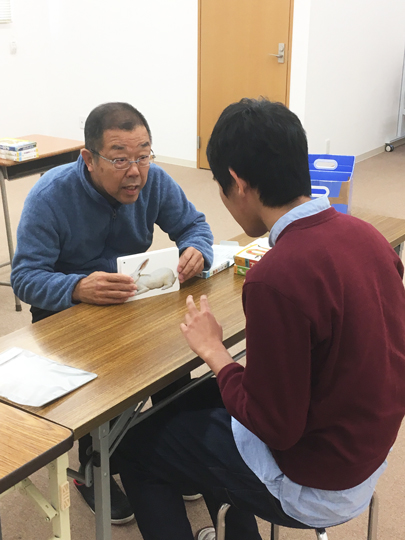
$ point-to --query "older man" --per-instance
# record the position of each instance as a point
(80, 217)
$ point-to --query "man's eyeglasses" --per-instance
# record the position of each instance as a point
(123, 163)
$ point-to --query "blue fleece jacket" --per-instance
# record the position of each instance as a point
(68, 230)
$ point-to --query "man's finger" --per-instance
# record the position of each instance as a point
(118, 286)
(123, 278)
(194, 265)
(184, 259)
(192, 308)
(183, 328)
(184, 268)
(117, 294)
(204, 305)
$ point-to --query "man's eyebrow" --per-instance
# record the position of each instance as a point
(121, 147)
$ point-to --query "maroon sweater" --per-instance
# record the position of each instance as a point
(324, 383)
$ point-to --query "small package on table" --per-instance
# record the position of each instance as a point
(250, 255)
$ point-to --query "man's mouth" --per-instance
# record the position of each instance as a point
(131, 188)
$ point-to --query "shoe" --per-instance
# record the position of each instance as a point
(121, 511)
(208, 533)
(192, 497)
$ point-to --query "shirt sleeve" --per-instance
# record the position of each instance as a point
(271, 395)
(184, 224)
(33, 277)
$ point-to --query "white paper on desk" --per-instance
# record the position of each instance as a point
(224, 252)
(223, 258)
(29, 379)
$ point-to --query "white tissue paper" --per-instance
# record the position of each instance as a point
(29, 379)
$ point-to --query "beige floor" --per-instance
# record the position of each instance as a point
(379, 185)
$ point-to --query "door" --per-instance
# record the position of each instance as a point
(237, 41)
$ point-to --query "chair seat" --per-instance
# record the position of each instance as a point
(321, 534)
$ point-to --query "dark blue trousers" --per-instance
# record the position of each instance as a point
(188, 447)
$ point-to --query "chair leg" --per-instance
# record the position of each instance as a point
(320, 533)
(220, 531)
(373, 518)
(274, 531)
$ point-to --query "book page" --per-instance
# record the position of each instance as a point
(29, 379)
(154, 272)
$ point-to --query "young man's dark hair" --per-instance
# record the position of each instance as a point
(111, 116)
(266, 145)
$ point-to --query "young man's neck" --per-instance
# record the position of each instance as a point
(270, 215)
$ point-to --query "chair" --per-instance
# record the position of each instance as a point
(320, 533)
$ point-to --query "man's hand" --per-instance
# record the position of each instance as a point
(103, 288)
(191, 262)
(204, 335)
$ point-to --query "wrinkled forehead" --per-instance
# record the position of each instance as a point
(136, 139)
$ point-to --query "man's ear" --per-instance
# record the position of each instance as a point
(241, 184)
(88, 158)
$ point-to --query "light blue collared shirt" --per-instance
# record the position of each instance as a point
(314, 507)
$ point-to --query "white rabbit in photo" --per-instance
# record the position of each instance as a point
(162, 278)
(162, 272)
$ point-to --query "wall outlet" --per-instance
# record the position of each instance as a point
(82, 120)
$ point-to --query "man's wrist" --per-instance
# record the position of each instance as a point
(76, 299)
(217, 358)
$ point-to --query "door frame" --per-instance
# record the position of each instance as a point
(287, 56)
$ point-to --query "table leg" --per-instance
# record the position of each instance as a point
(60, 497)
(101, 470)
(399, 249)
(105, 441)
(3, 176)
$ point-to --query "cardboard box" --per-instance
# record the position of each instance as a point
(240, 270)
(331, 175)
(252, 253)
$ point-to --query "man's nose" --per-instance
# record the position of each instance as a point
(133, 168)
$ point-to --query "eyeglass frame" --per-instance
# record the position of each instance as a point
(136, 161)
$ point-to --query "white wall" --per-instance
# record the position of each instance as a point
(24, 75)
(299, 57)
(354, 68)
(129, 50)
(73, 55)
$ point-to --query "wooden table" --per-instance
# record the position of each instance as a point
(28, 443)
(393, 229)
(52, 151)
(136, 349)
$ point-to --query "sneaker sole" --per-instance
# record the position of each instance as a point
(121, 521)
(192, 497)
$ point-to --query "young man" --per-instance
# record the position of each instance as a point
(304, 429)
(79, 218)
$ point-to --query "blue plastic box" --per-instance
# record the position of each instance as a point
(331, 175)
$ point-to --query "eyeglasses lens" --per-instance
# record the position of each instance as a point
(123, 164)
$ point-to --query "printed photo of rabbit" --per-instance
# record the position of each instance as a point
(154, 272)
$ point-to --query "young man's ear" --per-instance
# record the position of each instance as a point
(88, 158)
(241, 184)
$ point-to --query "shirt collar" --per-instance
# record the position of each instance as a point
(307, 209)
